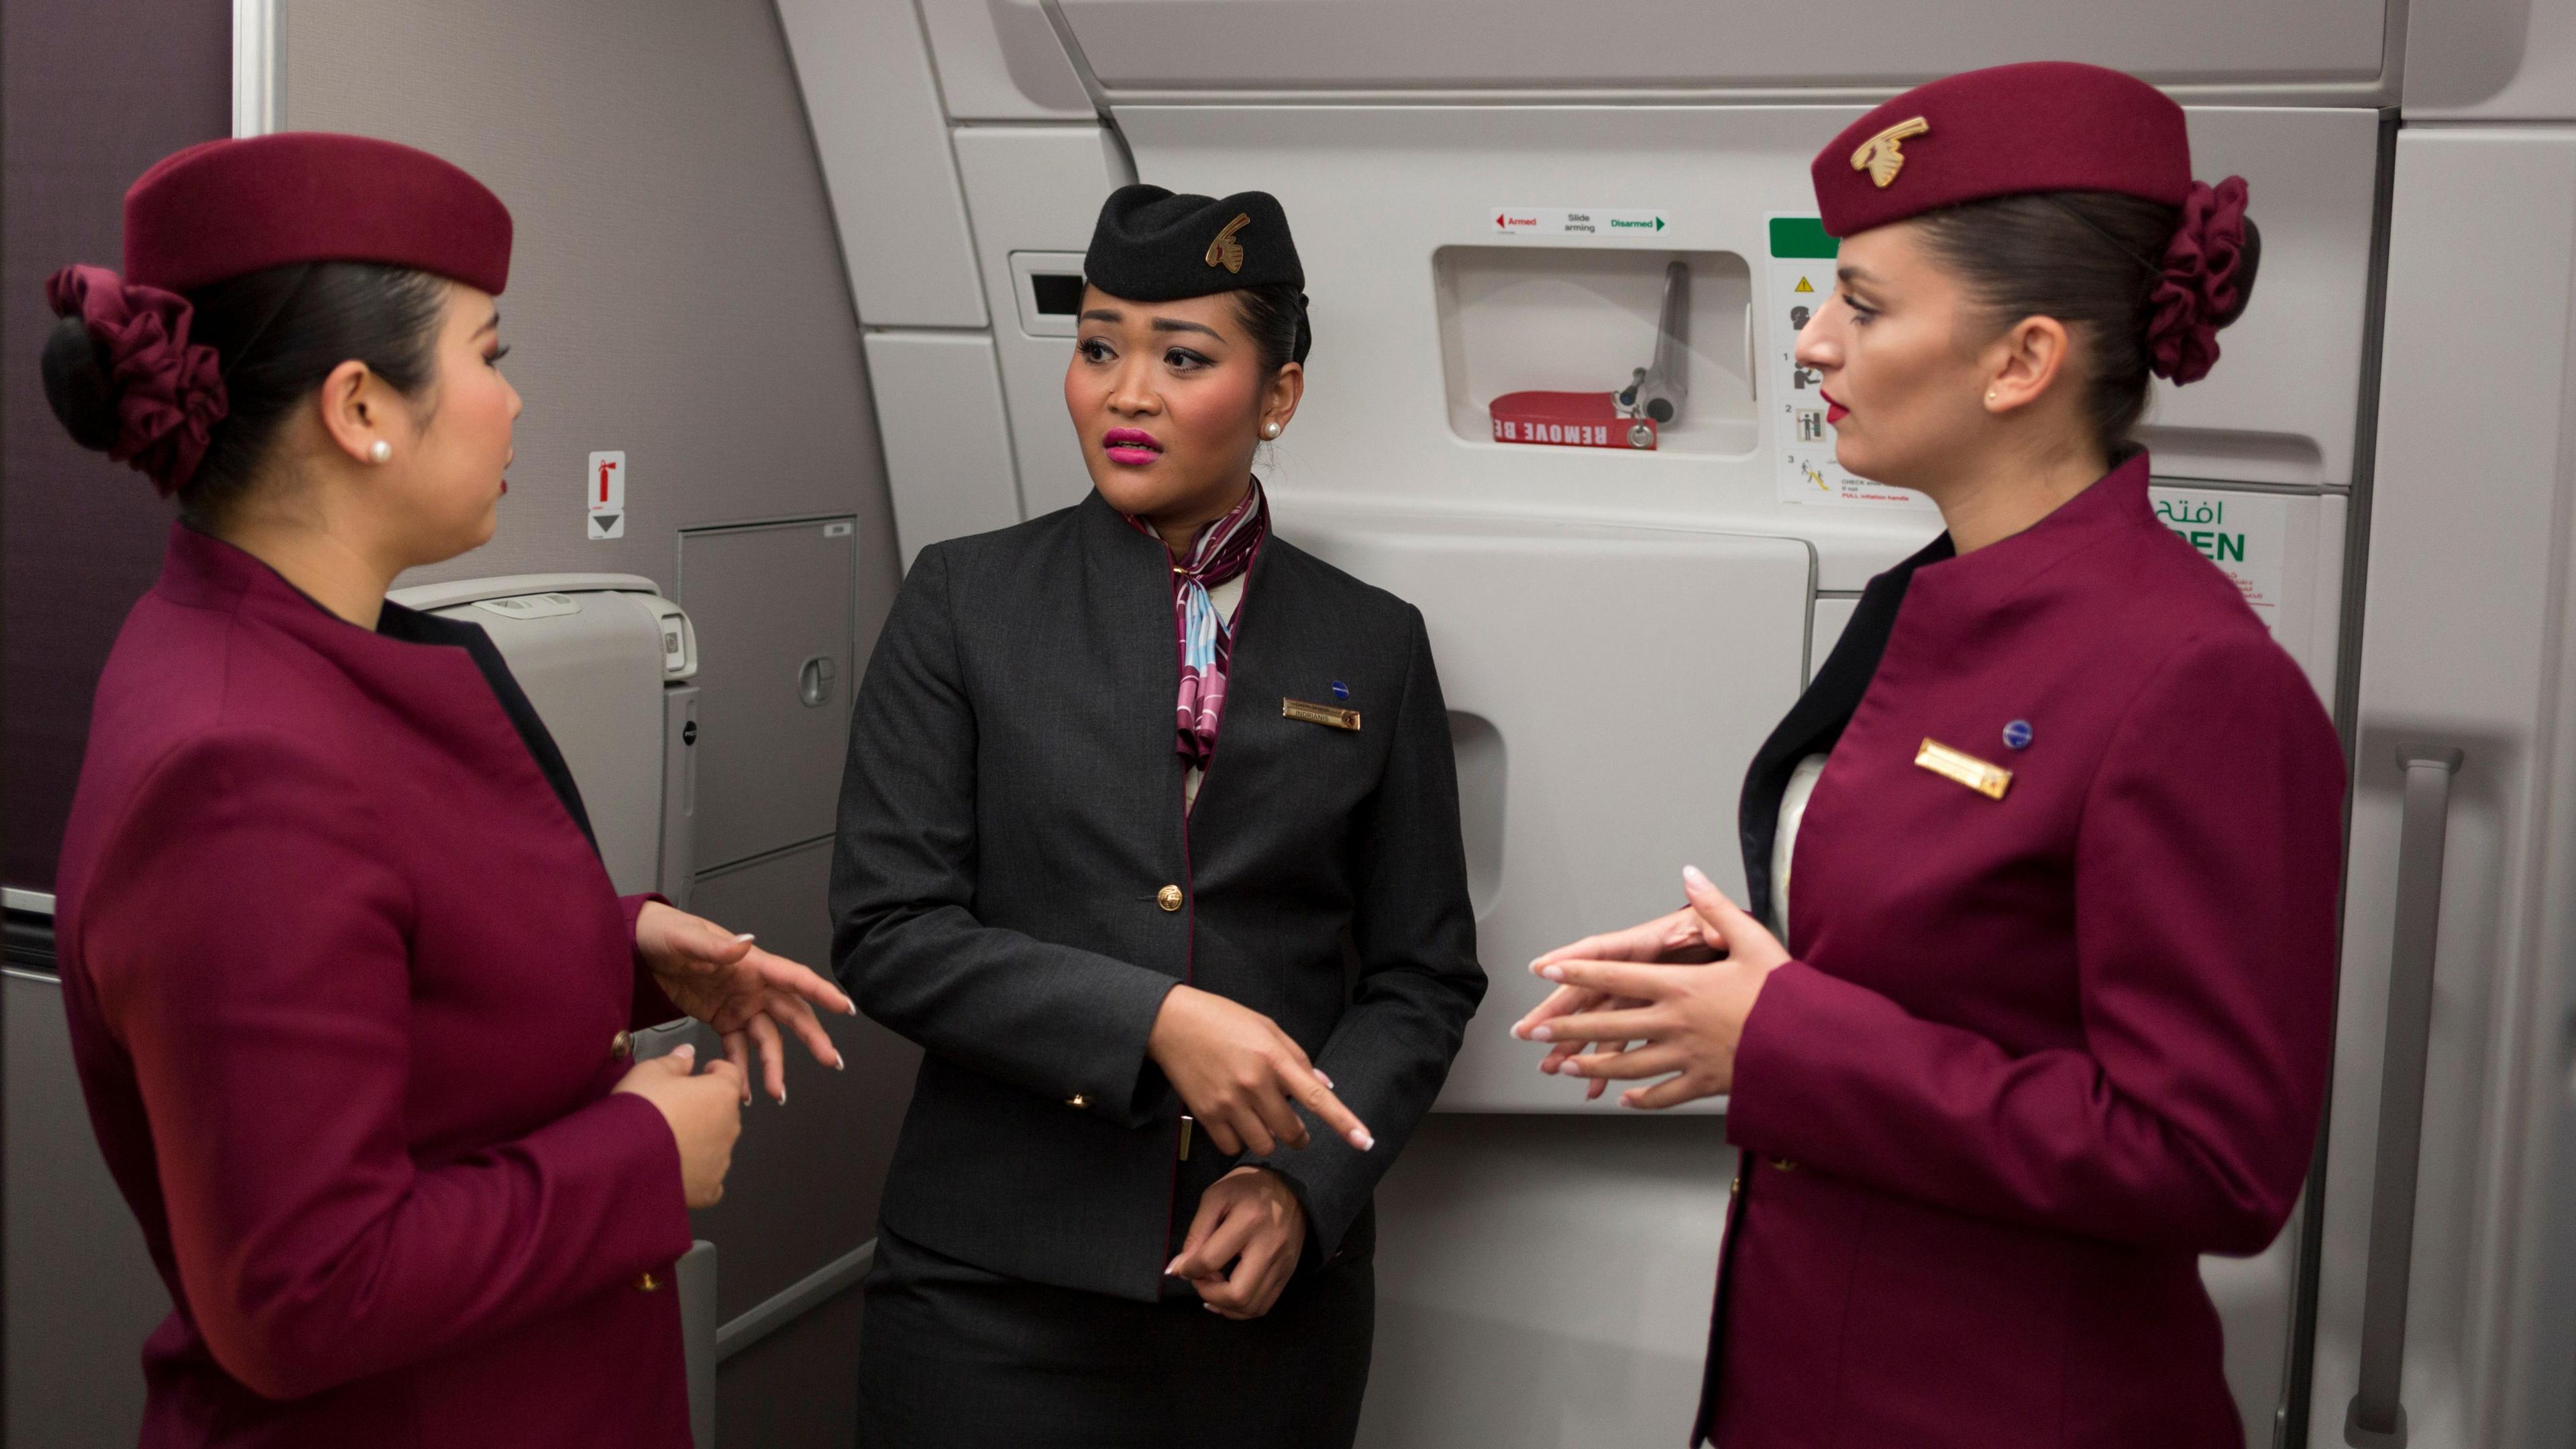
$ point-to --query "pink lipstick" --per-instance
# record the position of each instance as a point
(1130, 447)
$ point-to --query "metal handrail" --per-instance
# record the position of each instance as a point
(2376, 1418)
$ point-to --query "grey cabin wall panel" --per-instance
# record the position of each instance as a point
(769, 603)
(83, 1294)
(93, 95)
(1287, 46)
(676, 289)
(807, 1176)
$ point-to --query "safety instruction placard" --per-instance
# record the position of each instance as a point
(1578, 221)
(1800, 281)
(606, 489)
(2243, 533)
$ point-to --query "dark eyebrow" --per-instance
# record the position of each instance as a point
(490, 324)
(1850, 273)
(1104, 314)
(1168, 324)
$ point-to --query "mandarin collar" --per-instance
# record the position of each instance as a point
(201, 568)
(2114, 503)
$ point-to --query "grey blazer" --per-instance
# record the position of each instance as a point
(1010, 817)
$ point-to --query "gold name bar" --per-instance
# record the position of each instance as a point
(1322, 714)
(1990, 781)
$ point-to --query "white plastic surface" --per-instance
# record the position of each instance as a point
(2281, 404)
(2463, 646)
(1376, 193)
(1517, 316)
(2492, 60)
(1036, 189)
(874, 106)
(947, 442)
(594, 673)
(999, 60)
(1139, 47)
(1622, 754)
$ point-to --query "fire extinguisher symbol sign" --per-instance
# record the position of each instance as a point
(604, 489)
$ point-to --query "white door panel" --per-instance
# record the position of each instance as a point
(2460, 652)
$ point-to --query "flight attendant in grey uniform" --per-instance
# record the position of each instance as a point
(1149, 836)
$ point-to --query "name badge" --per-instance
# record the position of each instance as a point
(1990, 781)
(1322, 714)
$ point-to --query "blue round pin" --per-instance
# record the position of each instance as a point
(2017, 734)
(1341, 690)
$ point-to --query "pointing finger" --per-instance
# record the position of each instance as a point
(1319, 1099)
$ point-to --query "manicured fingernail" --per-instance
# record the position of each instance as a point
(746, 936)
(1363, 1141)
(1327, 1081)
(1553, 973)
(840, 1063)
(685, 1052)
(1172, 1269)
(1542, 1033)
(1571, 1067)
(1691, 876)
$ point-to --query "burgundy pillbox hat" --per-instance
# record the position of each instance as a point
(2045, 125)
(228, 208)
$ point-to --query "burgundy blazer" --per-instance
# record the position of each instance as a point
(344, 973)
(2035, 1054)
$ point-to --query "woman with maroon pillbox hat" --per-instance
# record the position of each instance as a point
(350, 992)
(2047, 1013)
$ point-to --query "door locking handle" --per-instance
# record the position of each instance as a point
(814, 681)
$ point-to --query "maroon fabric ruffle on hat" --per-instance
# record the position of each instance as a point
(2199, 285)
(170, 391)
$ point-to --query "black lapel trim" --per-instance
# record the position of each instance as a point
(1816, 721)
(414, 627)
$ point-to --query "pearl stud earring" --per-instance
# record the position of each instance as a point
(379, 451)
(1270, 430)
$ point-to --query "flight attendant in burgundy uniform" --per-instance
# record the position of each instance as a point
(349, 989)
(2049, 847)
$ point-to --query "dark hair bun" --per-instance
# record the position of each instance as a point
(80, 385)
(2249, 260)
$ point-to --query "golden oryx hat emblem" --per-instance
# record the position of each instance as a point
(1880, 155)
(1225, 251)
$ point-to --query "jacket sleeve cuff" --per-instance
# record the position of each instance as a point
(1314, 1182)
(622, 1142)
(1797, 1003)
(1132, 1088)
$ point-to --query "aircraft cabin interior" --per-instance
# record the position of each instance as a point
(795, 287)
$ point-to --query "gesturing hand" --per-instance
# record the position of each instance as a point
(704, 1111)
(744, 993)
(1239, 1074)
(1251, 1220)
(1690, 1018)
(1675, 938)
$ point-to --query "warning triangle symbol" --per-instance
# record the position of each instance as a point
(603, 524)
(1802, 286)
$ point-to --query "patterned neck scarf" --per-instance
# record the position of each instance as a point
(1205, 643)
